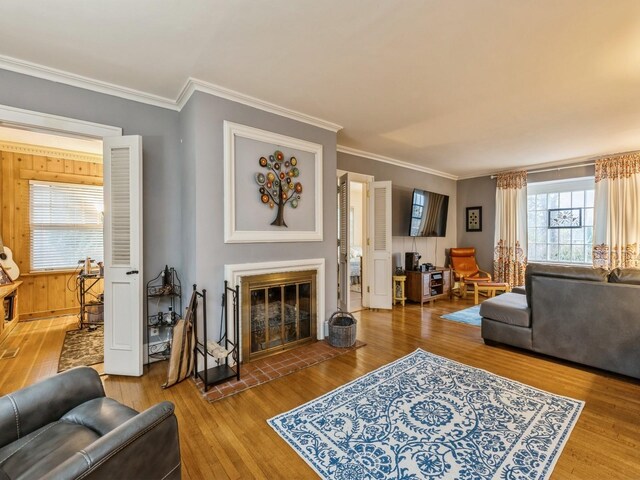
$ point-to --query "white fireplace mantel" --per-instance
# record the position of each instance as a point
(234, 273)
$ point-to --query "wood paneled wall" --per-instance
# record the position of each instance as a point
(50, 293)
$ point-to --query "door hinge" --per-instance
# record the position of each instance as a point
(368, 242)
(368, 291)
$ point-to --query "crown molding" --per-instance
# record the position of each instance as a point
(194, 85)
(488, 173)
(26, 149)
(394, 161)
(66, 78)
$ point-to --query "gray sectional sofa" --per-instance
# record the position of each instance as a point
(582, 314)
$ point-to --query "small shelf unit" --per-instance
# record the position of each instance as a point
(229, 367)
(91, 303)
(164, 307)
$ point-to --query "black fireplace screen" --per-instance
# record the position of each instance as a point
(280, 315)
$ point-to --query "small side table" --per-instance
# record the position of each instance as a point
(398, 289)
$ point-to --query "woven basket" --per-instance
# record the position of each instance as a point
(342, 329)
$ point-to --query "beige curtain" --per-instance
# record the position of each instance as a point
(616, 229)
(510, 249)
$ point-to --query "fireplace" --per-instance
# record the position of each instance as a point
(278, 312)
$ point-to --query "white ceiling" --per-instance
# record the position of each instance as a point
(460, 86)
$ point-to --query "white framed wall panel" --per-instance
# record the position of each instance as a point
(236, 182)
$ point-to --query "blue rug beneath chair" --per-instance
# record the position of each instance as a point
(425, 416)
(469, 315)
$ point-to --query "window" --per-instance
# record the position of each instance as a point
(560, 221)
(65, 224)
(416, 214)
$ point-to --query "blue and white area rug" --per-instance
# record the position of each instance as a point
(424, 416)
(469, 315)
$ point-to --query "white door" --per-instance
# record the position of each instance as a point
(123, 289)
(379, 241)
(345, 242)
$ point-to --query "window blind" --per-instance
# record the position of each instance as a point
(65, 224)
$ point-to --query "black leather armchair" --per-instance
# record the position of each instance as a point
(64, 427)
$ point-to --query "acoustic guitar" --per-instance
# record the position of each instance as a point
(6, 260)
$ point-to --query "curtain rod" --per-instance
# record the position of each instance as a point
(555, 169)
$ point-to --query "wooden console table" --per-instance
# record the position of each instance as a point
(428, 286)
(7, 325)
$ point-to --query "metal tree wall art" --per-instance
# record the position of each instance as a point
(278, 187)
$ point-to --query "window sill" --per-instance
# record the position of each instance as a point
(566, 264)
(51, 272)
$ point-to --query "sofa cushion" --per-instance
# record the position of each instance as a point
(22, 412)
(562, 271)
(493, 331)
(35, 454)
(625, 275)
(100, 415)
(509, 308)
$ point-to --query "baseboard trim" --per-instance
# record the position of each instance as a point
(25, 317)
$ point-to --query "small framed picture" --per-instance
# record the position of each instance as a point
(5, 279)
(474, 219)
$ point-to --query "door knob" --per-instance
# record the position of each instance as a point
(132, 272)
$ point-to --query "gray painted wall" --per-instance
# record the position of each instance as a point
(478, 192)
(404, 180)
(188, 198)
(183, 191)
(161, 168)
(203, 148)
(183, 175)
(481, 191)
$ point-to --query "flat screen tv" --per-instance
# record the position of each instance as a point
(428, 214)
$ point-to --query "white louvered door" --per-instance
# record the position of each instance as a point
(123, 288)
(380, 276)
(345, 243)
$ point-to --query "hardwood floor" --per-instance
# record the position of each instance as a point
(231, 439)
(355, 299)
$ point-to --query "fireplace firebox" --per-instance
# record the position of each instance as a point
(278, 312)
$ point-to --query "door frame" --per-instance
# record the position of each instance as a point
(55, 124)
(366, 180)
(47, 123)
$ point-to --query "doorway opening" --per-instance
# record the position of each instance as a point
(122, 161)
(353, 235)
(51, 230)
(357, 192)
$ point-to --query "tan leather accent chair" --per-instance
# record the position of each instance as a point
(465, 269)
